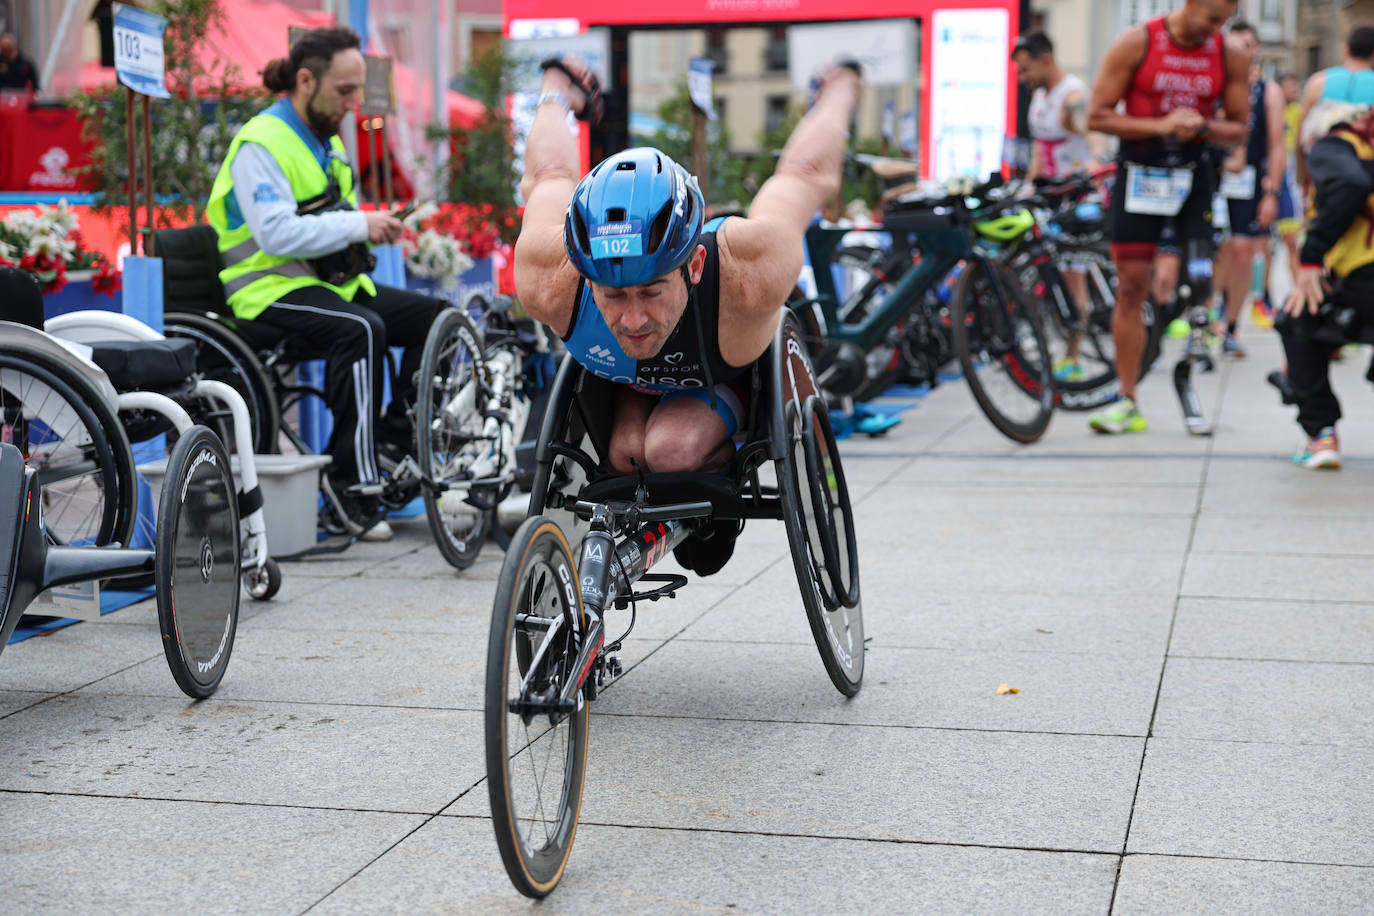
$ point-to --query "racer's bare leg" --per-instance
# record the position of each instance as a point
(682, 434)
(1077, 282)
(1128, 321)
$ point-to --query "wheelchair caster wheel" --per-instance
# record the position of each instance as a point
(264, 582)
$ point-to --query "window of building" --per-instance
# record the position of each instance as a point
(1134, 12)
(715, 48)
(774, 113)
(775, 52)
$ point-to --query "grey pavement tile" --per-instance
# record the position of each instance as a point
(413, 760)
(1279, 489)
(1229, 575)
(63, 854)
(72, 656)
(1312, 631)
(1015, 620)
(1009, 535)
(1165, 884)
(12, 701)
(1042, 499)
(1272, 701)
(673, 871)
(1309, 803)
(1058, 792)
(372, 603)
(1047, 570)
(1285, 535)
(1083, 694)
(1062, 466)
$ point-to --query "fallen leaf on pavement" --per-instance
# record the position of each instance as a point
(1003, 688)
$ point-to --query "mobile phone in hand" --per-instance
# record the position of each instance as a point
(406, 210)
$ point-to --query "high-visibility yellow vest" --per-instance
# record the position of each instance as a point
(252, 278)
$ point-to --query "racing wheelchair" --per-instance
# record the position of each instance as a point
(549, 653)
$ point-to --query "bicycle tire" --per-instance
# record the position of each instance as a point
(837, 630)
(1093, 390)
(983, 339)
(106, 459)
(447, 441)
(221, 355)
(196, 566)
(536, 601)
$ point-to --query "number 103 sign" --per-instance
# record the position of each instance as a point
(138, 50)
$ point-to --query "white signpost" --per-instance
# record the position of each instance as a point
(968, 92)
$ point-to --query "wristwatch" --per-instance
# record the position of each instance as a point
(557, 98)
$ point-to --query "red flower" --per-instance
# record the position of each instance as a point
(107, 279)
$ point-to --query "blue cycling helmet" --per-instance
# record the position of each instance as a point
(633, 218)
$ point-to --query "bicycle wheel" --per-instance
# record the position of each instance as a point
(1000, 340)
(223, 357)
(69, 433)
(825, 564)
(1095, 384)
(536, 755)
(449, 440)
(197, 562)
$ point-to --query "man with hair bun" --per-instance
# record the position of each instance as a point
(293, 254)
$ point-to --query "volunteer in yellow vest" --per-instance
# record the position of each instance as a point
(1336, 273)
(293, 250)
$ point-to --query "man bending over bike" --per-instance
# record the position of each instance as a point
(1171, 73)
(624, 268)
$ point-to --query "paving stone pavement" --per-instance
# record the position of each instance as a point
(1190, 623)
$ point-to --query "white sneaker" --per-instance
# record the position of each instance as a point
(378, 532)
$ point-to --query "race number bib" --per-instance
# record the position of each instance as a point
(1152, 191)
(1239, 185)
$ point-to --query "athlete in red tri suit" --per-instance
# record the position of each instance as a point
(1171, 73)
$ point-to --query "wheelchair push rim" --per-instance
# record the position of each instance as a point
(197, 562)
(536, 760)
(836, 626)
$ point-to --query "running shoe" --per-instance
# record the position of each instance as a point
(1262, 314)
(1068, 370)
(1120, 416)
(1323, 452)
(351, 513)
(1179, 328)
(1232, 346)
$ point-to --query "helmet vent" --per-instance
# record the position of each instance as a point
(625, 167)
(615, 214)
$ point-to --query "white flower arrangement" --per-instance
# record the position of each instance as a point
(436, 257)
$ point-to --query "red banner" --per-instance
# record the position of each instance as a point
(40, 147)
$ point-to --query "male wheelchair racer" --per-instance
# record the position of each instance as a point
(549, 651)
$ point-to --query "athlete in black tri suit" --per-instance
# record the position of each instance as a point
(624, 268)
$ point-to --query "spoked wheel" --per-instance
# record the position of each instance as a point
(449, 438)
(197, 562)
(820, 523)
(999, 337)
(223, 357)
(68, 432)
(536, 753)
(1095, 382)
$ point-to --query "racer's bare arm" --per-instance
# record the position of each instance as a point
(545, 279)
(1277, 167)
(1073, 116)
(1036, 165)
(761, 255)
(1235, 101)
(1311, 94)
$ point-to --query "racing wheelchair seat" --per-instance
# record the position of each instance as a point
(786, 467)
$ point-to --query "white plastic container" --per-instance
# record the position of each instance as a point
(290, 491)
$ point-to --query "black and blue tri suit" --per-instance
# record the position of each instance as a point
(689, 364)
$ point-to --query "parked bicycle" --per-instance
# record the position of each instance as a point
(995, 329)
